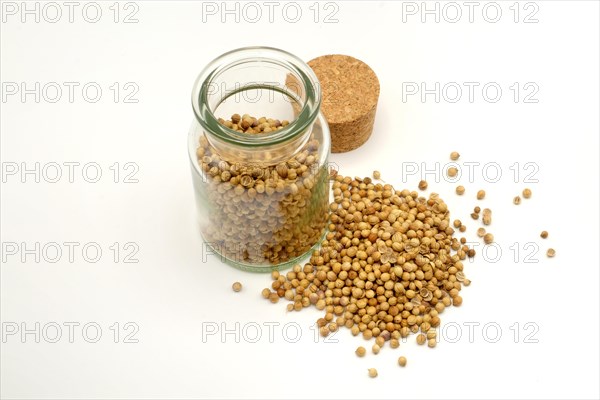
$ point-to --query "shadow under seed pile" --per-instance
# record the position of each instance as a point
(389, 265)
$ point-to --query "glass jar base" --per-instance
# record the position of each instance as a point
(266, 268)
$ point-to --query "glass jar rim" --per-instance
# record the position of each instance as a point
(305, 118)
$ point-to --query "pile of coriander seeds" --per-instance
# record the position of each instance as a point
(264, 214)
(388, 267)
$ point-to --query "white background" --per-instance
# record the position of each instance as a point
(175, 291)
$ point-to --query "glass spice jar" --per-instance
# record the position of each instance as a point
(262, 198)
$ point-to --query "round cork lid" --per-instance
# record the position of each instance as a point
(350, 91)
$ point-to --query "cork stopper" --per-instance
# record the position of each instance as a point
(350, 92)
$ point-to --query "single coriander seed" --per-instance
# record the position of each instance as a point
(460, 190)
(551, 252)
(236, 286)
(454, 156)
(360, 351)
(423, 185)
(376, 349)
(481, 232)
(527, 193)
(372, 372)
(517, 200)
(488, 238)
(421, 339)
(273, 297)
(480, 194)
(544, 234)
(376, 174)
(452, 172)
(402, 361)
(265, 293)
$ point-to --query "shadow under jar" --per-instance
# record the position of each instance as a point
(262, 197)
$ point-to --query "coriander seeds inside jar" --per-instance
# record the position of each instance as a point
(258, 148)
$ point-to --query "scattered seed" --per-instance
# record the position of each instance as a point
(273, 297)
(421, 339)
(488, 238)
(460, 190)
(402, 361)
(431, 343)
(454, 156)
(265, 293)
(487, 216)
(477, 209)
(452, 172)
(457, 223)
(376, 174)
(394, 343)
(517, 200)
(372, 372)
(527, 193)
(360, 351)
(236, 286)
(376, 349)
(423, 185)
(551, 253)
(544, 234)
(480, 194)
(474, 215)
(481, 232)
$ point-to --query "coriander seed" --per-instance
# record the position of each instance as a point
(402, 361)
(544, 234)
(487, 216)
(517, 200)
(360, 351)
(488, 238)
(265, 293)
(527, 193)
(454, 156)
(372, 372)
(452, 172)
(551, 252)
(480, 194)
(460, 190)
(423, 185)
(376, 349)
(376, 174)
(421, 339)
(236, 286)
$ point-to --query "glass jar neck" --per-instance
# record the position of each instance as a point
(265, 80)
